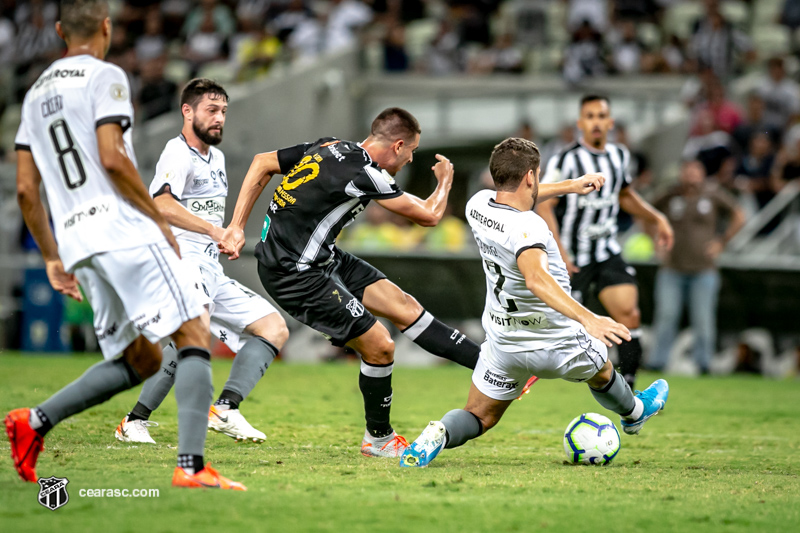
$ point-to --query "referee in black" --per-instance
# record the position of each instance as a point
(585, 227)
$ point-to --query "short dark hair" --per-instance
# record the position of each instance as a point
(594, 98)
(395, 123)
(82, 18)
(511, 160)
(199, 87)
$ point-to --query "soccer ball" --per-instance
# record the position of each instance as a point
(591, 439)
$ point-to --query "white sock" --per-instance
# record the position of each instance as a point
(638, 409)
(34, 420)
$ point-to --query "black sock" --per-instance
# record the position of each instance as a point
(44, 424)
(442, 340)
(630, 356)
(139, 412)
(375, 382)
(229, 398)
(191, 461)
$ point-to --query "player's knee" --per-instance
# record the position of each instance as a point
(143, 357)
(274, 330)
(630, 317)
(381, 352)
(487, 420)
(603, 376)
(194, 332)
(279, 335)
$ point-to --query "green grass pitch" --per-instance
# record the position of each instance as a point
(722, 457)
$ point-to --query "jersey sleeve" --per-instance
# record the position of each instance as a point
(173, 170)
(288, 157)
(22, 140)
(627, 179)
(374, 183)
(560, 167)
(112, 98)
(533, 233)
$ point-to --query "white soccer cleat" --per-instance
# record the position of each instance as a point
(135, 431)
(230, 422)
(389, 446)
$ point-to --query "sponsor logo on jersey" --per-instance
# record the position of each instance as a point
(499, 381)
(355, 307)
(335, 151)
(108, 332)
(60, 73)
(207, 206)
(142, 325)
(488, 222)
(513, 323)
(596, 203)
(199, 182)
(98, 207)
(211, 251)
(596, 231)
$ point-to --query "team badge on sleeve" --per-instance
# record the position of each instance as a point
(119, 92)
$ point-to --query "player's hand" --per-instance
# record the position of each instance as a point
(216, 233)
(605, 329)
(165, 229)
(665, 238)
(62, 281)
(588, 183)
(443, 170)
(232, 242)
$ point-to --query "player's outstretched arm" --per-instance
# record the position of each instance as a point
(126, 179)
(583, 185)
(30, 202)
(546, 210)
(632, 203)
(261, 170)
(180, 217)
(430, 211)
(534, 267)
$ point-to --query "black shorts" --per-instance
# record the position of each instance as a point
(595, 277)
(326, 298)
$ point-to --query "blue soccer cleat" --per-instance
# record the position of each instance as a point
(654, 399)
(427, 446)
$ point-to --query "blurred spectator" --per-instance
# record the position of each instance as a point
(790, 17)
(157, 95)
(152, 44)
(672, 56)
(289, 19)
(689, 274)
(451, 234)
(207, 29)
(726, 115)
(174, 13)
(444, 53)
(639, 166)
(503, 57)
(255, 49)
(37, 44)
(787, 166)
(754, 122)
(710, 145)
(345, 19)
(627, 51)
(395, 57)
(380, 229)
(583, 58)
(717, 44)
(592, 12)
(566, 136)
(781, 95)
(755, 169)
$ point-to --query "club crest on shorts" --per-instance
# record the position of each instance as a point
(53, 492)
(355, 307)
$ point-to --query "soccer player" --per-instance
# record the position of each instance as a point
(532, 324)
(189, 189)
(326, 184)
(585, 228)
(75, 137)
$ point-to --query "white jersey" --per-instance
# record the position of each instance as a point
(200, 185)
(514, 319)
(60, 114)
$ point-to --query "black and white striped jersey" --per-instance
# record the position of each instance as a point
(588, 224)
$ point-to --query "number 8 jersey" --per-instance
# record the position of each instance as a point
(60, 114)
(514, 319)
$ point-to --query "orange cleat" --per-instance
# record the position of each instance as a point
(26, 443)
(206, 478)
(527, 388)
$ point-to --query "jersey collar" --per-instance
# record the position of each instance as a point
(493, 203)
(592, 150)
(210, 153)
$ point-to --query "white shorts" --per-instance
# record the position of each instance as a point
(232, 306)
(144, 290)
(502, 375)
